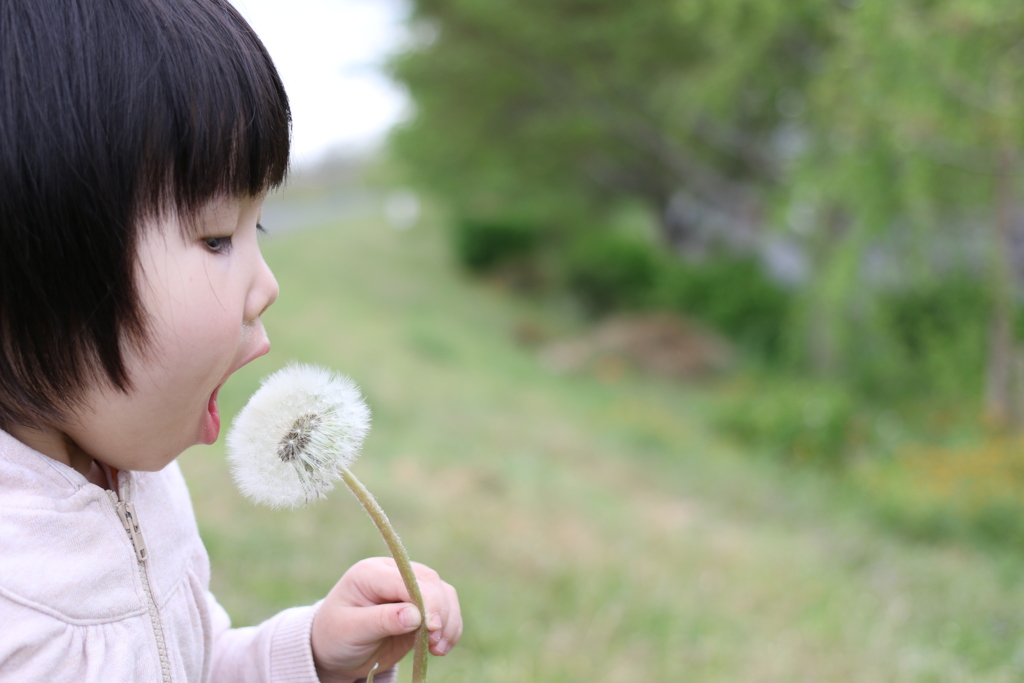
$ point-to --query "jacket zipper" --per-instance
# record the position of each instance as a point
(130, 521)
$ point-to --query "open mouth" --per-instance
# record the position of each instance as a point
(211, 420)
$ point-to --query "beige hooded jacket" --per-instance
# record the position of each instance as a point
(98, 586)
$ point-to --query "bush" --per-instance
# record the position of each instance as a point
(933, 341)
(483, 245)
(937, 314)
(730, 294)
(805, 424)
(734, 296)
(607, 272)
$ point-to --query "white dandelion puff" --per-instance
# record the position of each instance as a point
(299, 430)
(298, 434)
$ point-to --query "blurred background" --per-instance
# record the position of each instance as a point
(692, 330)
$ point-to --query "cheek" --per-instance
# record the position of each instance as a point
(194, 327)
(193, 358)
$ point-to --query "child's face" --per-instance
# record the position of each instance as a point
(203, 296)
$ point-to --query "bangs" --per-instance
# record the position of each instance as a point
(222, 124)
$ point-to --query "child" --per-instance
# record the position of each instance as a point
(137, 139)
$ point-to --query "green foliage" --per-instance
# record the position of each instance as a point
(733, 295)
(939, 337)
(607, 272)
(808, 423)
(914, 122)
(924, 339)
(482, 245)
(936, 315)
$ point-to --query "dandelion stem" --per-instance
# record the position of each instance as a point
(394, 543)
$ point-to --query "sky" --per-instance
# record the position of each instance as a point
(328, 53)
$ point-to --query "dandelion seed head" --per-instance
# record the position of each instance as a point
(301, 427)
(298, 437)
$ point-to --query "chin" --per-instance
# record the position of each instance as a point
(155, 465)
(166, 455)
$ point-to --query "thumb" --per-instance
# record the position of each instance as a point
(391, 619)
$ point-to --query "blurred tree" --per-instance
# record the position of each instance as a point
(554, 110)
(916, 128)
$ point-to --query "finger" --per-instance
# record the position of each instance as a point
(383, 621)
(445, 639)
(444, 617)
(434, 598)
(453, 625)
(437, 603)
(376, 580)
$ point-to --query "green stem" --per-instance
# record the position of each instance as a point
(394, 543)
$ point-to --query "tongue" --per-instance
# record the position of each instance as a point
(212, 422)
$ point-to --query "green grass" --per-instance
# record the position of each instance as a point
(595, 532)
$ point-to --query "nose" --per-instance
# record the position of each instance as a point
(263, 292)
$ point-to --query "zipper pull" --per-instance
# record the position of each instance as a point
(130, 522)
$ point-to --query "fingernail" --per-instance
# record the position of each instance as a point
(434, 621)
(443, 646)
(409, 617)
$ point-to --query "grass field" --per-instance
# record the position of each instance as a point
(595, 531)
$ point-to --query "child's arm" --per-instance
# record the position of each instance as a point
(367, 618)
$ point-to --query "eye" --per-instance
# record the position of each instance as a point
(218, 245)
(260, 229)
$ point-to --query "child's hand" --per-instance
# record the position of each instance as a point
(367, 618)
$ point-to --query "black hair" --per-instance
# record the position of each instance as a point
(111, 112)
